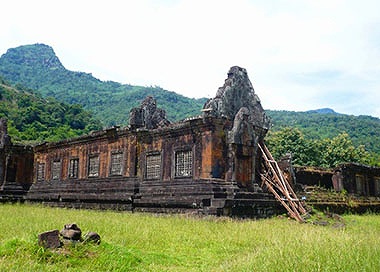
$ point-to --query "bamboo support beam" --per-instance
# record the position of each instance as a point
(277, 184)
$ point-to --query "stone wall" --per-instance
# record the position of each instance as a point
(204, 189)
(313, 176)
(357, 179)
(16, 166)
(204, 164)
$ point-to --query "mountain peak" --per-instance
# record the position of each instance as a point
(37, 67)
(33, 55)
(323, 111)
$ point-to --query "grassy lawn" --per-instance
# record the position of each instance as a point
(146, 242)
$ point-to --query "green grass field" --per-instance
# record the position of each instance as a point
(146, 242)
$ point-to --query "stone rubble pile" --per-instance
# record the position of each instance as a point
(70, 234)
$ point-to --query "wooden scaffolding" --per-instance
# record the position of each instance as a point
(273, 179)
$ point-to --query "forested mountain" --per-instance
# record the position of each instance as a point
(34, 119)
(325, 138)
(37, 67)
(363, 130)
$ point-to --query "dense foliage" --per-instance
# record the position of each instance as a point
(363, 130)
(327, 152)
(37, 67)
(31, 118)
(321, 135)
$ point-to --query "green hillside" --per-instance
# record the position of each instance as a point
(34, 119)
(363, 130)
(37, 67)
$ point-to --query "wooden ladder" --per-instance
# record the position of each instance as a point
(277, 184)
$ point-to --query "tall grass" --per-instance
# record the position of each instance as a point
(146, 242)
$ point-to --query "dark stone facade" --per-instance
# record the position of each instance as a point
(204, 164)
(208, 164)
(148, 116)
(349, 187)
(353, 178)
(204, 189)
(16, 167)
(357, 179)
(237, 102)
(313, 176)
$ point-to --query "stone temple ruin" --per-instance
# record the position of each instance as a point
(212, 164)
(16, 166)
(237, 102)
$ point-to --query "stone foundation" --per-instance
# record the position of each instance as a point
(204, 197)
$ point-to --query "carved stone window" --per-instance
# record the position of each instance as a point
(93, 166)
(184, 163)
(359, 184)
(153, 166)
(56, 170)
(40, 171)
(116, 164)
(73, 168)
(377, 186)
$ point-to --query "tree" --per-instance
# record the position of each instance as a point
(292, 140)
(323, 153)
(340, 149)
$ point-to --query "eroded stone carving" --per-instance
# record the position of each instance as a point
(71, 232)
(237, 93)
(92, 237)
(148, 115)
(49, 239)
(5, 139)
(236, 101)
(242, 131)
(5, 145)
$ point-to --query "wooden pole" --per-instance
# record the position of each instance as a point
(277, 184)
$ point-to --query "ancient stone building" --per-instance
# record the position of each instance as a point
(349, 187)
(204, 164)
(209, 164)
(16, 166)
(357, 179)
(353, 178)
(237, 102)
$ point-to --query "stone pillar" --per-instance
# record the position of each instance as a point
(2, 165)
(5, 144)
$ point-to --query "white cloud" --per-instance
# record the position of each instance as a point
(188, 46)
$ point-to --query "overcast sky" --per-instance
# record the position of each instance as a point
(300, 55)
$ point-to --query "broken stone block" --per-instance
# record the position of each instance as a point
(49, 239)
(92, 237)
(5, 139)
(237, 93)
(71, 232)
(148, 115)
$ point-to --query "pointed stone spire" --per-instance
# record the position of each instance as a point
(236, 100)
